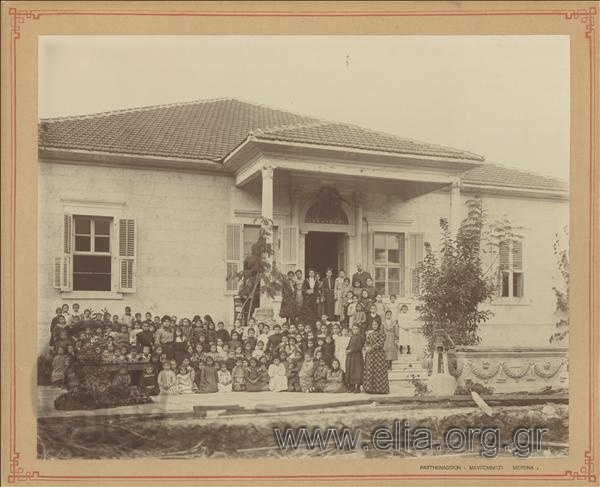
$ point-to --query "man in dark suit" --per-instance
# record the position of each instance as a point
(361, 276)
(274, 340)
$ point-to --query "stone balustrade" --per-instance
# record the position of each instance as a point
(511, 369)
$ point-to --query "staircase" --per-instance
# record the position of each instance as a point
(407, 367)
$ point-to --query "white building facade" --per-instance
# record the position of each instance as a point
(153, 208)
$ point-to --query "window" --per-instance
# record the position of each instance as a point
(99, 254)
(389, 258)
(91, 256)
(511, 269)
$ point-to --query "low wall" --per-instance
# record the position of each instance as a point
(512, 369)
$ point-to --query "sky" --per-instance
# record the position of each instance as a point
(504, 97)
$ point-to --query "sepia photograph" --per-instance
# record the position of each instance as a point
(303, 246)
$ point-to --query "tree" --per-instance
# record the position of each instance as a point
(562, 295)
(453, 285)
(259, 275)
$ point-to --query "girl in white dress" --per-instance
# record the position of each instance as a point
(224, 378)
(277, 376)
(341, 343)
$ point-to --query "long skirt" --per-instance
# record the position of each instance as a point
(389, 347)
(329, 297)
(354, 368)
(376, 373)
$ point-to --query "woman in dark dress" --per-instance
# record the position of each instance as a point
(310, 291)
(320, 301)
(288, 299)
(375, 379)
(354, 360)
(328, 288)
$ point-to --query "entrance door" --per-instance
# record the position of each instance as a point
(322, 250)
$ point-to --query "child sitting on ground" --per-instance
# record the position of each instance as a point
(185, 382)
(224, 376)
(149, 381)
(294, 367)
(277, 377)
(238, 376)
(167, 380)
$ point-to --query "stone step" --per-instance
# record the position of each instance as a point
(406, 366)
(401, 375)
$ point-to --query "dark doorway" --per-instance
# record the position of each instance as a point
(321, 251)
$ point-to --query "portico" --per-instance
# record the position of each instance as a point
(344, 209)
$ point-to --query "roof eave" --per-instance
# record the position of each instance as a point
(505, 190)
(100, 158)
(236, 158)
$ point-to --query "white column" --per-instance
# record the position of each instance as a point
(267, 192)
(265, 312)
(296, 195)
(455, 208)
(358, 207)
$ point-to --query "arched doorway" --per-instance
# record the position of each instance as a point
(325, 245)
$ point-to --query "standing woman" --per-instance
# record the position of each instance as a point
(354, 360)
(320, 299)
(310, 293)
(376, 375)
(288, 301)
(390, 347)
(329, 294)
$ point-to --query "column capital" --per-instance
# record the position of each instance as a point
(359, 198)
(456, 185)
(267, 172)
(296, 194)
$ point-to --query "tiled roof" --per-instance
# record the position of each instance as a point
(498, 175)
(211, 129)
(203, 130)
(352, 136)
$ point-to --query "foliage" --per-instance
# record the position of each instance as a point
(453, 284)
(562, 295)
(420, 386)
(471, 386)
(91, 388)
(260, 274)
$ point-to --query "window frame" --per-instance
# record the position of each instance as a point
(387, 265)
(508, 274)
(92, 252)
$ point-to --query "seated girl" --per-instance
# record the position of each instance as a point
(253, 377)
(224, 378)
(206, 378)
(319, 375)
(238, 376)
(149, 381)
(277, 376)
(185, 382)
(306, 373)
(167, 380)
(335, 378)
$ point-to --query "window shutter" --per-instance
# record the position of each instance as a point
(233, 254)
(127, 255)
(415, 256)
(56, 271)
(517, 254)
(503, 257)
(289, 248)
(66, 270)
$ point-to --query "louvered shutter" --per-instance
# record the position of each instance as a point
(517, 254)
(503, 254)
(233, 254)
(127, 255)
(415, 256)
(289, 248)
(66, 262)
(56, 273)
